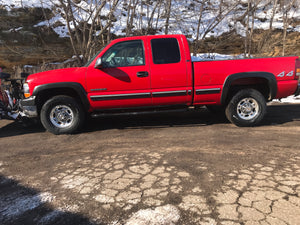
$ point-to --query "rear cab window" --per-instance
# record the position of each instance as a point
(165, 51)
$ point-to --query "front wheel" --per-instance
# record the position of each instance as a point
(246, 108)
(62, 115)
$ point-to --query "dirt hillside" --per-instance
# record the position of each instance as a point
(21, 43)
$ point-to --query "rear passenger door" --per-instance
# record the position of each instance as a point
(169, 79)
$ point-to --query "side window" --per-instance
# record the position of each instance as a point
(128, 53)
(165, 50)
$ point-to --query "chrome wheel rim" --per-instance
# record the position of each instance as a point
(61, 116)
(247, 108)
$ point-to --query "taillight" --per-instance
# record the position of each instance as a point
(297, 71)
(297, 68)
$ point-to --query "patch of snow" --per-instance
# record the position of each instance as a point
(61, 31)
(28, 66)
(297, 28)
(184, 17)
(167, 214)
(214, 56)
(21, 204)
(26, 3)
(240, 29)
(15, 29)
(291, 99)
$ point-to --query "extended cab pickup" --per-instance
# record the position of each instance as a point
(156, 72)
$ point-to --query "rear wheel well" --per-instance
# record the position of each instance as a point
(45, 95)
(259, 84)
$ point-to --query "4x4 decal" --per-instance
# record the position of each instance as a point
(282, 74)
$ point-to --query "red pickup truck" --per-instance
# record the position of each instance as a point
(156, 73)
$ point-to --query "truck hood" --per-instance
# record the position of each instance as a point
(76, 74)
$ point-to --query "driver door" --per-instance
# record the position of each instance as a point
(124, 80)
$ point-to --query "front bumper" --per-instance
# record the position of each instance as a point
(28, 107)
(298, 90)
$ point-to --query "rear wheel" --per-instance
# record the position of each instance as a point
(62, 115)
(246, 108)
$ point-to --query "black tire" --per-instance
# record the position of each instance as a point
(62, 115)
(247, 108)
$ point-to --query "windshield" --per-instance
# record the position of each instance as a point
(92, 59)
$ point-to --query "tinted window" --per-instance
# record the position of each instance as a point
(165, 50)
(128, 53)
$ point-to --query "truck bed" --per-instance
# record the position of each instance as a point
(212, 75)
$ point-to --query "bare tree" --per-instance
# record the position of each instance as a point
(220, 11)
(141, 14)
(158, 17)
(224, 8)
(201, 9)
(127, 5)
(275, 4)
(131, 14)
(286, 10)
(151, 17)
(168, 14)
(89, 25)
(84, 25)
(266, 39)
(250, 22)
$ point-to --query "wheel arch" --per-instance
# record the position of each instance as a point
(246, 79)
(72, 89)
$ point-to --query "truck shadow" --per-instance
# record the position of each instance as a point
(277, 115)
(21, 205)
(15, 128)
(194, 118)
(282, 114)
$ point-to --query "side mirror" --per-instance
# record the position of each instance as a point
(98, 64)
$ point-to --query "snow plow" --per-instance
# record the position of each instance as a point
(11, 94)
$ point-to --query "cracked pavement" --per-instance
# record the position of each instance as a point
(187, 173)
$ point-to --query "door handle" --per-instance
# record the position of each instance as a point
(142, 74)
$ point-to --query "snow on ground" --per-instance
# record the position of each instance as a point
(291, 99)
(214, 56)
(184, 17)
(167, 214)
(19, 204)
(26, 3)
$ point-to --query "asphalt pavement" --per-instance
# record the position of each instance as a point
(169, 168)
